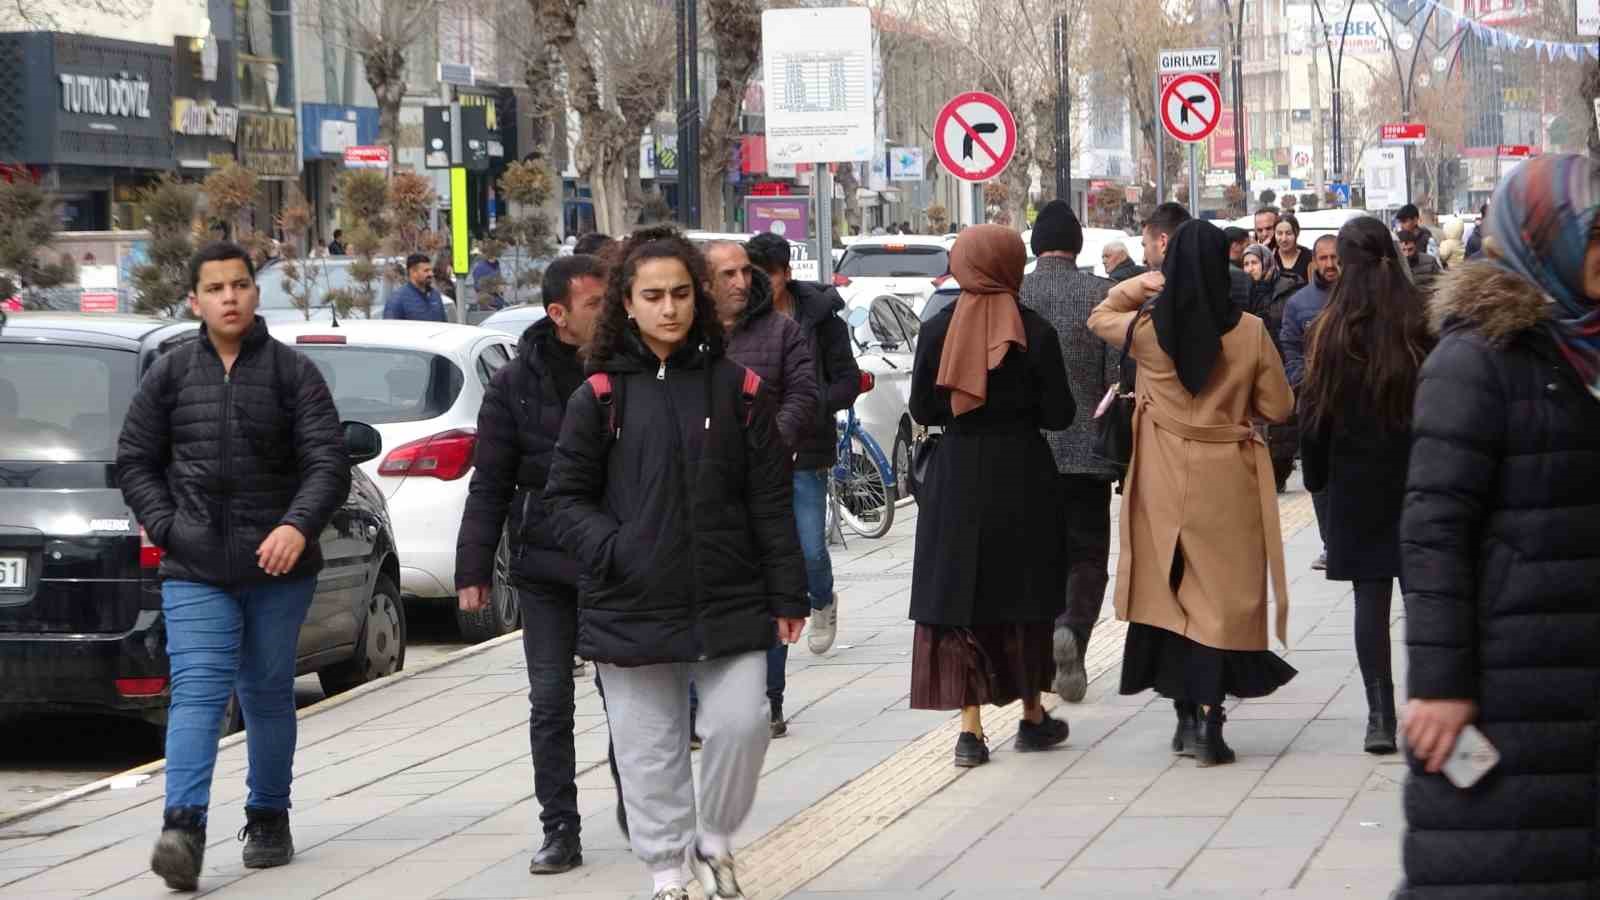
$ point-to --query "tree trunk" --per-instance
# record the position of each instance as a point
(1591, 91)
(849, 184)
(385, 68)
(735, 25)
(632, 186)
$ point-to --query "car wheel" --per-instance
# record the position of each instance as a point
(900, 458)
(503, 615)
(380, 647)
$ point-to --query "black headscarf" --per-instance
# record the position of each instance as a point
(1193, 311)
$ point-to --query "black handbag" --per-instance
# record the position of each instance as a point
(921, 460)
(1114, 441)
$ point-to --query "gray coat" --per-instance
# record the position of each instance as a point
(1065, 296)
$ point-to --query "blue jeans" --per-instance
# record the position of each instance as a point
(223, 642)
(810, 519)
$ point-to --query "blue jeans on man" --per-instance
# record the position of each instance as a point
(811, 520)
(232, 642)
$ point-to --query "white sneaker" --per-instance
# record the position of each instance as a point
(670, 893)
(824, 627)
(579, 668)
(716, 876)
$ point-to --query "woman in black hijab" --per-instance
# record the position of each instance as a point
(1200, 531)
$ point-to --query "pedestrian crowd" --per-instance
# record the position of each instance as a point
(657, 460)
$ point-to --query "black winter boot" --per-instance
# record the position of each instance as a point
(267, 842)
(562, 852)
(181, 849)
(1048, 733)
(1211, 749)
(1380, 717)
(1187, 734)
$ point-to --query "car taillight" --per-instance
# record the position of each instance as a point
(149, 554)
(320, 339)
(841, 280)
(867, 382)
(141, 687)
(446, 456)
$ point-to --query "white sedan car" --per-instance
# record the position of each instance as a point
(901, 265)
(886, 345)
(420, 385)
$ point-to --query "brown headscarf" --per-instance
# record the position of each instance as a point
(987, 261)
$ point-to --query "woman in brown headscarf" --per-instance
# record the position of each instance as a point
(988, 580)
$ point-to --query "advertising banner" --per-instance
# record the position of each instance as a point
(786, 216)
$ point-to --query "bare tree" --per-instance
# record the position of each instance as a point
(46, 15)
(384, 33)
(735, 27)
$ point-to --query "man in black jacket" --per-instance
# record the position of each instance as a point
(774, 346)
(233, 461)
(838, 384)
(518, 426)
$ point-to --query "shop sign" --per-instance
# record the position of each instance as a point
(204, 118)
(269, 145)
(121, 95)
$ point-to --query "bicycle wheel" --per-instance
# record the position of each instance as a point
(866, 502)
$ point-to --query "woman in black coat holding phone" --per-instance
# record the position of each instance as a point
(989, 579)
(1363, 357)
(1500, 545)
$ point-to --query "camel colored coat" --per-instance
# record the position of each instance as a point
(1200, 478)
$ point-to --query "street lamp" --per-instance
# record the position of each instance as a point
(1408, 77)
(688, 79)
(1240, 170)
(1335, 73)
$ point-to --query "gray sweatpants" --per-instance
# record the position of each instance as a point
(648, 707)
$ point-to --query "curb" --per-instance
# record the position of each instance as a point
(321, 706)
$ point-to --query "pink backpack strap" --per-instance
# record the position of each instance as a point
(600, 382)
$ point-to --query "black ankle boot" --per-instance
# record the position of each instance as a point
(267, 842)
(1380, 717)
(181, 849)
(1211, 749)
(1187, 734)
(562, 852)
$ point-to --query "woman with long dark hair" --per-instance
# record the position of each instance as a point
(1500, 549)
(671, 488)
(1291, 256)
(1362, 360)
(988, 580)
(1200, 532)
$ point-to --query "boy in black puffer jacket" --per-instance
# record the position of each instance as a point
(233, 461)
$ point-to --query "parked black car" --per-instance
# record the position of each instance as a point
(80, 604)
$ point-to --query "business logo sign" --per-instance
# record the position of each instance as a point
(204, 118)
(122, 94)
(269, 145)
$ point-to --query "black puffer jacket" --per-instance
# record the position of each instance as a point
(1500, 549)
(518, 425)
(211, 462)
(838, 377)
(774, 346)
(683, 523)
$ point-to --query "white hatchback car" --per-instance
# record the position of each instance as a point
(420, 385)
(886, 346)
(901, 265)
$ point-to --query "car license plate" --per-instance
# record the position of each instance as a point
(13, 572)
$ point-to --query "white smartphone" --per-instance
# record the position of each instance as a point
(1470, 759)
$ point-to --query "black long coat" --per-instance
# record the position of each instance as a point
(1362, 467)
(682, 518)
(988, 520)
(1501, 548)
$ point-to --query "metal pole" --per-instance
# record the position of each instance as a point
(688, 78)
(1240, 170)
(1161, 146)
(822, 184)
(1194, 180)
(1063, 115)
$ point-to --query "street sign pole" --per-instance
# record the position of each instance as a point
(822, 184)
(458, 199)
(1194, 180)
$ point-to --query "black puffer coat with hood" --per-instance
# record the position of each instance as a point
(211, 462)
(518, 425)
(838, 377)
(1500, 553)
(682, 519)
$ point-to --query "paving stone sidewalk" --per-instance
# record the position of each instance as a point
(422, 787)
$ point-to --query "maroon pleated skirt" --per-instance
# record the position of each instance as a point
(980, 665)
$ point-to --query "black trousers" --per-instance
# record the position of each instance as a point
(549, 638)
(1086, 507)
(1372, 629)
(1319, 505)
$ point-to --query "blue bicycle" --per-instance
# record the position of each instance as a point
(861, 484)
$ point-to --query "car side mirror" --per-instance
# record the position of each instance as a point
(858, 317)
(362, 442)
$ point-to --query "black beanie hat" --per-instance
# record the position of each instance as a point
(1056, 228)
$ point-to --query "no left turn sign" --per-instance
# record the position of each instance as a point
(1191, 104)
(975, 136)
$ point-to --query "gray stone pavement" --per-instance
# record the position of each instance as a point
(420, 787)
